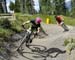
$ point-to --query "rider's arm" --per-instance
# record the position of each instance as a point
(25, 23)
(41, 29)
(61, 17)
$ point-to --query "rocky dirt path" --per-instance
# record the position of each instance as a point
(48, 48)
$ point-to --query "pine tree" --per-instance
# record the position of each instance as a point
(29, 6)
(11, 6)
(60, 6)
(17, 6)
(73, 8)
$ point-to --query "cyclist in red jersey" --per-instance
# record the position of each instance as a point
(60, 22)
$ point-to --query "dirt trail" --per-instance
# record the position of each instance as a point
(53, 45)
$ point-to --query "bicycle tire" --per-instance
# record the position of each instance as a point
(23, 40)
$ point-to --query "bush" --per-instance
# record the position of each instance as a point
(16, 26)
(5, 32)
(5, 23)
(69, 45)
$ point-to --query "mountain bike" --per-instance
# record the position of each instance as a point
(27, 39)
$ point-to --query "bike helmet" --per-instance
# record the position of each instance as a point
(38, 20)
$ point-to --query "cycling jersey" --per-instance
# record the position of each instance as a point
(59, 20)
(34, 26)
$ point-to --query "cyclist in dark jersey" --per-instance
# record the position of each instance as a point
(35, 26)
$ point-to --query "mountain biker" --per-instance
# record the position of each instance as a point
(35, 26)
(60, 22)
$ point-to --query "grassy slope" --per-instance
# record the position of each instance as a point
(69, 20)
(16, 24)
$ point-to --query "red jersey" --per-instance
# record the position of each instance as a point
(59, 20)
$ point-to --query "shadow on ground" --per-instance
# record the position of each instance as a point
(39, 51)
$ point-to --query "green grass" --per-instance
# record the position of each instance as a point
(5, 32)
(20, 18)
(26, 17)
(69, 21)
(69, 45)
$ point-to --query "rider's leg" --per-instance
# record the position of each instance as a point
(28, 39)
(64, 27)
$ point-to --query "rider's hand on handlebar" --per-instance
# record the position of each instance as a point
(23, 26)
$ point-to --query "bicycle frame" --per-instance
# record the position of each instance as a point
(25, 38)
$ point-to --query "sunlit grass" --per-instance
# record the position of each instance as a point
(69, 45)
(20, 18)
